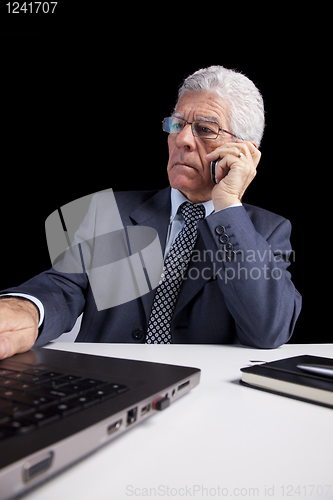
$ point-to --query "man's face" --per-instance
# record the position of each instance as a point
(188, 169)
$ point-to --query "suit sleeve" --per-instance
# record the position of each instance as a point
(63, 299)
(252, 257)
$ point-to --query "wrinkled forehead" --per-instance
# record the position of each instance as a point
(202, 105)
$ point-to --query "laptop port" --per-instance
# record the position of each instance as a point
(185, 384)
(131, 416)
(114, 427)
(145, 409)
(37, 466)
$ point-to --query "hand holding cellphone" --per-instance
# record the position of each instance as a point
(212, 170)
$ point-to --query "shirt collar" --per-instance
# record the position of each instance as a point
(177, 198)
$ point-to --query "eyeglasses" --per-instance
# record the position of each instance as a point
(200, 128)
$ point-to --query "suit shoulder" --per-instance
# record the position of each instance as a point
(133, 198)
(127, 203)
(125, 200)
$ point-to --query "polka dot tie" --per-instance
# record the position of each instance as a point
(175, 265)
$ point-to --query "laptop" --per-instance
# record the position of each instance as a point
(57, 407)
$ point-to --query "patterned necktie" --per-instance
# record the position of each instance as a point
(175, 265)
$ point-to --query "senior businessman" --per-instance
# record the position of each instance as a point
(224, 278)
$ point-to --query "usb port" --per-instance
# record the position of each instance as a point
(131, 416)
(145, 409)
(114, 427)
(185, 384)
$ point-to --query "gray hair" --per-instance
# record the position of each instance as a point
(246, 105)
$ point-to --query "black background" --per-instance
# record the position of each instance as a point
(83, 96)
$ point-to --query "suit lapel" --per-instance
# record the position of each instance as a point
(154, 213)
(199, 271)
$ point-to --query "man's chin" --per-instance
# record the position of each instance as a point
(190, 188)
(183, 183)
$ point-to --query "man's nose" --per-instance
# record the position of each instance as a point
(185, 138)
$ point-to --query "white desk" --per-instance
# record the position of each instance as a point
(222, 440)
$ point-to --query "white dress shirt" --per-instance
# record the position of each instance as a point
(176, 219)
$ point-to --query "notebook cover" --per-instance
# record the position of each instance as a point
(286, 370)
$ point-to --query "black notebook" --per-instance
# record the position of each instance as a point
(283, 377)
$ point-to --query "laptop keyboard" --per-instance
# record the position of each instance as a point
(36, 396)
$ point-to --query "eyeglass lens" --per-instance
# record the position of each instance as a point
(202, 129)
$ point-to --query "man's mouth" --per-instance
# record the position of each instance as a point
(183, 164)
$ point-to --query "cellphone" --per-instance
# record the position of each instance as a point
(212, 170)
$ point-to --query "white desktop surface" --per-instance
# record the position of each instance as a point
(222, 440)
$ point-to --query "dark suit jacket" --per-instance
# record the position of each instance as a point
(249, 300)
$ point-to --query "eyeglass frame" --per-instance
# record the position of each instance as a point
(192, 123)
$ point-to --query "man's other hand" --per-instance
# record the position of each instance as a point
(18, 326)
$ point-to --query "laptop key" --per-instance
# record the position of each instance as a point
(85, 401)
(63, 381)
(120, 388)
(84, 385)
(105, 392)
(67, 408)
(91, 382)
(4, 419)
(8, 382)
(17, 426)
(37, 370)
(21, 397)
(16, 410)
(4, 403)
(53, 393)
(5, 373)
(20, 376)
(52, 374)
(44, 417)
(70, 378)
(23, 386)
